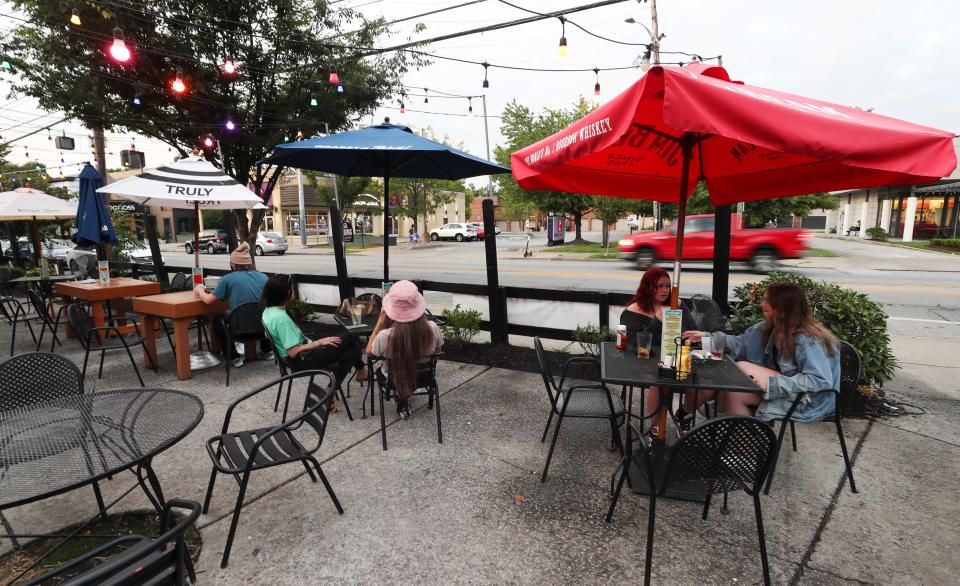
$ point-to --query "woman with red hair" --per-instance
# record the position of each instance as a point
(644, 313)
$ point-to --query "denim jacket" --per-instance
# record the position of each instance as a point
(810, 370)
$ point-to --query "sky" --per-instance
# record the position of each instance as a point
(899, 58)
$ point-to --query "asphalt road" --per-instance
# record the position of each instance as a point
(920, 289)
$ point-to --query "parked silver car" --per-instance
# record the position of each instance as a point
(268, 242)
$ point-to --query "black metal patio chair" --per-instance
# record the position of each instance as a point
(49, 314)
(242, 324)
(15, 312)
(239, 453)
(39, 377)
(161, 560)
(851, 369)
(720, 455)
(425, 385)
(591, 401)
(103, 339)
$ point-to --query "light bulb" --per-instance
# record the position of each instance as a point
(229, 67)
(313, 102)
(136, 100)
(563, 46)
(334, 78)
(208, 142)
(75, 17)
(596, 93)
(339, 88)
(645, 62)
(403, 109)
(470, 113)
(5, 65)
(119, 50)
(178, 85)
(230, 124)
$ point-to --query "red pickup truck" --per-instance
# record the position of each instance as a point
(761, 248)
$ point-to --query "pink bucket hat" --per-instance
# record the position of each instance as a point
(404, 303)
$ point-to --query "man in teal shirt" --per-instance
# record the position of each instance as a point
(243, 285)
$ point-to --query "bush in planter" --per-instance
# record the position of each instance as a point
(877, 233)
(590, 337)
(952, 243)
(461, 327)
(299, 310)
(852, 316)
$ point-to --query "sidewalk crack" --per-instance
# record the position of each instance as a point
(811, 548)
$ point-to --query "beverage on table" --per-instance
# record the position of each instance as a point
(356, 312)
(644, 340)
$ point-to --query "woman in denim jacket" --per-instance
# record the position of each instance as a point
(788, 354)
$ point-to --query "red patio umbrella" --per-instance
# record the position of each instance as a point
(747, 143)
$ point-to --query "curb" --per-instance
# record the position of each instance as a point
(894, 244)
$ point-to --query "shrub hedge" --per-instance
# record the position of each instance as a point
(851, 316)
(953, 243)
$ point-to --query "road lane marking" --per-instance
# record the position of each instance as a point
(929, 321)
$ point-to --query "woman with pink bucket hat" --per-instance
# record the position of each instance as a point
(405, 336)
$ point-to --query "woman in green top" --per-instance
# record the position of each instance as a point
(335, 353)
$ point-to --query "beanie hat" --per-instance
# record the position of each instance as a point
(241, 255)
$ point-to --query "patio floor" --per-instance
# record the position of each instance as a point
(473, 510)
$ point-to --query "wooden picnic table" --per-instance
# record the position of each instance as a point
(96, 294)
(181, 308)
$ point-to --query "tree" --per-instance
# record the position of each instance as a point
(757, 213)
(423, 196)
(609, 210)
(283, 49)
(521, 127)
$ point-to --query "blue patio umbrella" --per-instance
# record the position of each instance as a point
(384, 150)
(93, 226)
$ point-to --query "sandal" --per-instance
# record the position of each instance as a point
(334, 408)
(361, 376)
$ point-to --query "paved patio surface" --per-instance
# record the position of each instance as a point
(473, 511)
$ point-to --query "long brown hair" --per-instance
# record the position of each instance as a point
(407, 344)
(647, 290)
(792, 316)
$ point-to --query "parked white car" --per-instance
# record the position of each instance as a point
(139, 255)
(268, 242)
(458, 232)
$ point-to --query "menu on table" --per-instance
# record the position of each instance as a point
(197, 276)
(672, 328)
(103, 268)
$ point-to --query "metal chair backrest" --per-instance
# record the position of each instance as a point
(88, 266)
(39, 305)
(148, 561)
(426, 372)
(36, 377)
(373, 298)
(81, 322)
(851, 368)
(178, 282)
(545, 369)
(316, 404)
(244, 322)
(707, 314)
(728, 453)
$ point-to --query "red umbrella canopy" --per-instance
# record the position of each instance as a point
(746, 142)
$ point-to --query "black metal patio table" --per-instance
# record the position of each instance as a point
(50, 448)
(622, 367)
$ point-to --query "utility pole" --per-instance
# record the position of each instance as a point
(100, 150)
(302, 217)
(655, 49)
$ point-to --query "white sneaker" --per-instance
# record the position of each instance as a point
(237, 362)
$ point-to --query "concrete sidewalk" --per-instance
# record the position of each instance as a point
(473, 511)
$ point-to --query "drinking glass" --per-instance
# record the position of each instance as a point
(644, 339)
(715, 347)
(356, 312)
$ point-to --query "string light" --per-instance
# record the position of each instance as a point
(75, 17)
(645, 61)
(299, 135)
(178, 86)
(339, 88)
(470, 107)
(563, 36)
(486, 84)
(118, 49)
(5, 65)
(229, 67)
(136, 99)
(596, 87)
(334, 78)
(403, 109)
(230, 125)
(48, 135)
(313, 102)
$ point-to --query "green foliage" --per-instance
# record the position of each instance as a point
(299, 310)
(851, 316)
(757, 213)
(521, 128)
(461, 327)
(590, 337)
(946, 242)
(126, 236)
(877, 233)
(34, 272)
(609, 210)
(214, 219)
(348, 188)
(16, 272)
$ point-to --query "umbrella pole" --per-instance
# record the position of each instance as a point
(686, 144)
(36, 242)
(386, 224)
(196, 233)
